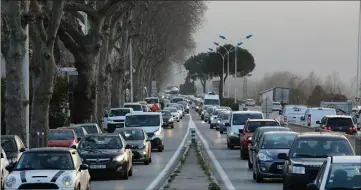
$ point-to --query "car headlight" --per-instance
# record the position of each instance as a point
(67, 181)
(13, 160)
(157, 133)
(218, 121)
(187, 107)
(170, 119)
(296, 169)
(109, 120)
(119, 158)
(11, 180)
(264, 157)
(141, 146)
(233, 134)
(249, 138)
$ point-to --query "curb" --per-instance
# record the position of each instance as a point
(177, 168)
(214, 185)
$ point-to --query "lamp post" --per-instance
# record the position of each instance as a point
(245, 85)
(235, 60)
(228, 52)
(212, 50)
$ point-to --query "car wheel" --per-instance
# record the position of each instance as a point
(150, 158)
(146, 161)
(258, 178)
(126, 173)
(286, 186)
(210, 126)
(221, 132)
(130, 173)
(243, 157)
(250, 165)
(202, 117)
(178, 121)
(254, 176)
(160, 148)
(172, 126)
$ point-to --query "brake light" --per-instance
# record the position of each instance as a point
(285, 118)
(328, 128)
(245, 141)
(353, 128)
(309, 120)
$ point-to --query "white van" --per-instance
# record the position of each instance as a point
(312, 115)
(137, 107)
(292, 114)
(211, 99)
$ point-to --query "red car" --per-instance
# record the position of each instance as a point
(62, 138)
(248, 130)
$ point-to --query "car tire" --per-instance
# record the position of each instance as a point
(172, 126)
(259, 179)
(150, 158)
(202, 117)
(221, 132)
(177, 120)
(146, 161)
(254, 176)
(131, 171)
(250, 165)
(286, 186)
(211, 126)
(126, 173)
(243, 157)
(160, 148)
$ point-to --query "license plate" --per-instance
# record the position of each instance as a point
(280, 167)
(97, 166)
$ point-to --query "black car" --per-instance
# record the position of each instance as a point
(306, 155)
(340, 123)
(266, 164)
(138, 139)
(106, 155)
(185, 105)
(13, 147)
(168, 120)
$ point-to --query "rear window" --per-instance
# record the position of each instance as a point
(166, 113)
(135, 107)
(340, 122)
(78, 131)
(118, 112)
(252, 126)
(176, 100)
(60, 135)
(240, 119)
(296, 110)
(152, 101)
(91, 129)
(276, 103)
(225, 116)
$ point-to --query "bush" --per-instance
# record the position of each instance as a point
(229, 102)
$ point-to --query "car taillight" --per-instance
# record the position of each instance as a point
(309, 120)
(285, 118)
(353, 128)
(328, 128)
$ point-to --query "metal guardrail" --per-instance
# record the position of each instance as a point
(354, 140)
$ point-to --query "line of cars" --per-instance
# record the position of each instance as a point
(303, 161)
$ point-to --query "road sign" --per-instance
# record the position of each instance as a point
(357, 99)
(267, 105)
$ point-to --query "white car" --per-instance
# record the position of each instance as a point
(4, 172)
(115, 118)
(338, 172)
(250, 102)
(174, 112)
(49, 168)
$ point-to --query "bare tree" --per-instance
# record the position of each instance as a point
(333, 84)
(43, 34)
(13, 42)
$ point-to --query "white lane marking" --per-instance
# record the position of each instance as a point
(165, 171)
(222, 173)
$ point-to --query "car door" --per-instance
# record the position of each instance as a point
(321, 173)
(250, 153)
(79, 173)
(254, 153)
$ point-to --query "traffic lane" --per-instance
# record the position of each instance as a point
(143, 175)
(236, 169)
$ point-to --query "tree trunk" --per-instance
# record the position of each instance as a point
(221, 84)
(13, 49)
(116, 90)
(203, 82)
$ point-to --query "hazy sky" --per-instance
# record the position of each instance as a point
(296, 36)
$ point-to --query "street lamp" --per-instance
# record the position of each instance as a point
(228, 52)
(235, 60)
(222, 66)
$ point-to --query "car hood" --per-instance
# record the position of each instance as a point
(308, 161)
(273, 153)
(167, 117)
(101, 153)
(151, 129)
(42, 176)
(135, 143)
(117, 118)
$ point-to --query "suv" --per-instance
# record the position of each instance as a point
(341, 123)
(249, 128)
(306, 155)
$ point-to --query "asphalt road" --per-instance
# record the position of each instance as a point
(235, 168)
(143, 175)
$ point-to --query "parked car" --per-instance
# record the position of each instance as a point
(313, 116)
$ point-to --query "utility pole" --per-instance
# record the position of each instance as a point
(358, 56)
(235, 74)
(131, 69)
(245, 87)
(228, 74)
(26, 87)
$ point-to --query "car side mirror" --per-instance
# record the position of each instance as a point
(227, 124)
(282, 156)
(21, 150)
(318, 122)
(106, 115)
(311, 186)
(73, 146)
(303, 118)
(253, 148)
(249, 141)
(240, 131)
(2, 155)
(128, 146)
(84, 166)
(10, 167)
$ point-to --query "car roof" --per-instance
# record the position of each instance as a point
(83, 124)
(338, 116)
(321, 108)
(279, 132)
(255, 120)
(143, 113)
(61, 129)
(275, 127)
(246, 112)
(120, 108)
(346, 159)
(129, 128)
(321, 135)
(102, 134)
(8, 136)
(51, 149)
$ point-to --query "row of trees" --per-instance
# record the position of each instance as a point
(157, 33)
(206, 66)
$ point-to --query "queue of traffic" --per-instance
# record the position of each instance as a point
(74, 155)
(317, 160)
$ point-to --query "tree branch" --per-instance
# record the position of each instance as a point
(54, 22)
(76, 35)
(71, 6)
(108, 7)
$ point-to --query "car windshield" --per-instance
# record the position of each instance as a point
(340, 122)
(8, 145)
(176, 100)
(142, 120)
(45, 161)
(100, 142)
(118, 112)
(276, 104)
(240, 119)
(211, 102)
(166, 113)
(90, 129)
(225, 116)
(152, 100)
(320, 147)
(210, 110)
(344, 176)
(278, 141)
(253, 125)
(135, 107)
(60, 135)
(131, 135)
